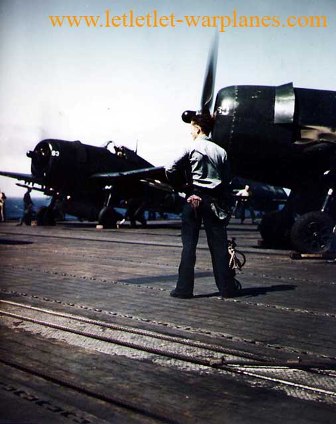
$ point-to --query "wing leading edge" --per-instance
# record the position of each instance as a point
(28, 178)
(150, 173)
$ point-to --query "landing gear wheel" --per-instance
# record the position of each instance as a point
(108, 217)
(45, 217)
(312, 232)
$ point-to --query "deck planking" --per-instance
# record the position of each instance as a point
(124, 276)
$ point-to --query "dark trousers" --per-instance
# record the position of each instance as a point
(245, 204)
(217, 241)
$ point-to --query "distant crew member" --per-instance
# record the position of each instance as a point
(206, 168)
(27, 209)
(245, 203)
(2, 206)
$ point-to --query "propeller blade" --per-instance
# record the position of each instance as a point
(209, 78)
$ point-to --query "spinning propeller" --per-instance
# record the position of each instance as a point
(208, 84)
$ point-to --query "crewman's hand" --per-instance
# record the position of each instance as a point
(194, 200)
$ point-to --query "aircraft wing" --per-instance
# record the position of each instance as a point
(144, 173)
(28, 178)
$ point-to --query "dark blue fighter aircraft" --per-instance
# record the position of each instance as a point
(282, 136)
(89, 182)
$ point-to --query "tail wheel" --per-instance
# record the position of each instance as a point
(312, 232)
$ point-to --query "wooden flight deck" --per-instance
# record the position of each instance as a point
(89, 333)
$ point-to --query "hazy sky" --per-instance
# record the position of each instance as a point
(132, 84)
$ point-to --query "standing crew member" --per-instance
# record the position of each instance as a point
(27, 208)
(207, 191)
(2, 206)
(245, 203)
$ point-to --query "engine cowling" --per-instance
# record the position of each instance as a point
(67, 165)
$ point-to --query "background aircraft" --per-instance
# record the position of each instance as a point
(88, 182)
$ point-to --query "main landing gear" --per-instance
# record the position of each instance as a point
(108, 216)
(309, 232)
